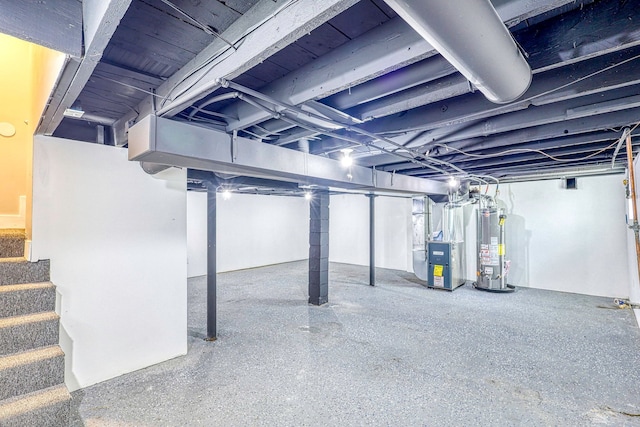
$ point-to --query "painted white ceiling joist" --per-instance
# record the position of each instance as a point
(56, 25)
(101, 21)
(386, 48)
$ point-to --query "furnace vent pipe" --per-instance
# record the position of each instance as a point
(473, 38)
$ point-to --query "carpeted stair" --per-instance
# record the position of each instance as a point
(12, 243)
(32, 390)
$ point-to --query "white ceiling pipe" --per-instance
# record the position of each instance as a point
(471, 35)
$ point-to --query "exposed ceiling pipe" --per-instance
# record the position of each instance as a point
(93, 118)
(626, 132)
(558, 174)
(219, 98)
(301, 114)
(474, 39)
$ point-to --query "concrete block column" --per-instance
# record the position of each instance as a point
(319, 248)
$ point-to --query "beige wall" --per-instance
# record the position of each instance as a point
(27, 74)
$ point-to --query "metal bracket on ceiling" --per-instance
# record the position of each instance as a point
(472, 88)
(234, 146)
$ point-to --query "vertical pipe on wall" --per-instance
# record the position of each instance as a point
(632, 183)
(211, 262)
(501, 251)
(372, 239)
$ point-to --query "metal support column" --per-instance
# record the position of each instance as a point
(211, 263)
(319, 247)
(372, 239)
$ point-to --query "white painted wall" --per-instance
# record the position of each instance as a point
(349, 231)
(252, 231)
(116, 238)
(261, 230)
(15, 220)
(564, 240)
(557, 239)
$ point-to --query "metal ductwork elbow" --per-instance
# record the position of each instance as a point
(473, 38)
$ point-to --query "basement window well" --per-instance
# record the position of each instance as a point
(571, 183)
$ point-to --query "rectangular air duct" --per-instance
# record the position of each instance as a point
(168, 142)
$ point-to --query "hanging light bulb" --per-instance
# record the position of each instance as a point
(226, 195)
(453, 183)
(308, 195)
(346, 160)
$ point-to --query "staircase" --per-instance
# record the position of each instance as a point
(32, 390)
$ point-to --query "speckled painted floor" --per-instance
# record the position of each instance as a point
(398, 354)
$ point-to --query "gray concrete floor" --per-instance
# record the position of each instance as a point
(398, 354)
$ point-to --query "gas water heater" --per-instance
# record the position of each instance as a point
(492, 267)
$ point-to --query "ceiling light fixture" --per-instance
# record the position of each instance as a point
(346, 160)
(226, 195)
(75, 111)
(308, 195)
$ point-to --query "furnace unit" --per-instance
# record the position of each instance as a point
(446, 258)
(445, 265)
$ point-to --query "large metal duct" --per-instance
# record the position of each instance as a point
(471, 36)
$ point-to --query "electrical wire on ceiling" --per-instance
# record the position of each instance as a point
(254, 98)
(303, 113)
(281, 115)
(414, 154)
(207, 29)
(578, 80)
(524, 150)
(209, 63)
(148, 92)
(531, 98)
(217, 57)
(290, 118)
(531, 150)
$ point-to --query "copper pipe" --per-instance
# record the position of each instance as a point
(632, 183)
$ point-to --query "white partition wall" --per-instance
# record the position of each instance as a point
(252, 231)
(261, 230)
(116, 238)
(349, 231)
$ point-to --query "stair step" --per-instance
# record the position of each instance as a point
(29, 371)
(44, 408)
(12, 243)
(15, 271)
(22, 333)
(17, 300)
